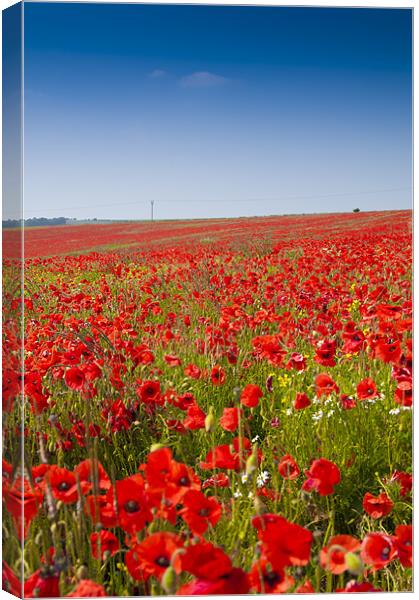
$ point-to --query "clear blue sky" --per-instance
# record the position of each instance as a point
(215, 111)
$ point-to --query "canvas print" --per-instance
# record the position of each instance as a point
(207, 300)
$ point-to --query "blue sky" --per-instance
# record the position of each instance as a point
(215, 111)
(12, 112)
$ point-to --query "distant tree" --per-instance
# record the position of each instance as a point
(10, 223)
(356, 210)
(35, 222)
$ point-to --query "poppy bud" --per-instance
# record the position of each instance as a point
(237, 393)
(155, 447)
(252, 462)
(153, 527)
(210, 421)
(82, 573)
(260, 506)
(169, 581)
(353, 563)
(269, 384)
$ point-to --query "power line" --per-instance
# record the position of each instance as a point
(231, 200)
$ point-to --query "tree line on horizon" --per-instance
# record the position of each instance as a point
(37, 222)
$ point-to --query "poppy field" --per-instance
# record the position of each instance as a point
(219, 407)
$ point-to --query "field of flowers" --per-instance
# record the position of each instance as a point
(210, 408)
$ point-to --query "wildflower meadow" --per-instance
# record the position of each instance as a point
(210, 407)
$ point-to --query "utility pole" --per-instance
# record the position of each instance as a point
(152, 210)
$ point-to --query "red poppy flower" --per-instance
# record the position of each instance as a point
(182, 479)
(325, 385)
(38, 474)
(377, 550)
(144, 357)
(301, 401)
(26, 504)
(176, 425)
(34, 389)
(403, 393)
(265, 580)
(72, 356)
(354, 342)
(217, 375)
(92, 371)
(377, 506)
(107, 542)
(11, 383)
(167, 478)
(270, 348)
(389, 312)
(199, 511)
(75, 378)
(101, 510)
(88, 469)
(403, 542)
(332, 556)
(192, 371)
(94, 430)
(118, 416)
(265, 492)
(153, 555)
(218, 480)
(288, 468)
(354, 586)
(230, 419)
(63, 484)
(158, 467)
(234, 582)
(251, 395)
(11, 582)
(404, 480)
(195, 418)
(366, 389)
(325, 353)
(388, 350)
(203, 560)
(347, 402)
(220, 457)
(322, 476)
(87, 589)
(44, 583)
(296, 361)
(305, 588)
(172, 361)
(284, 543)
(132, 504)
(183, 401)
(149, 392)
